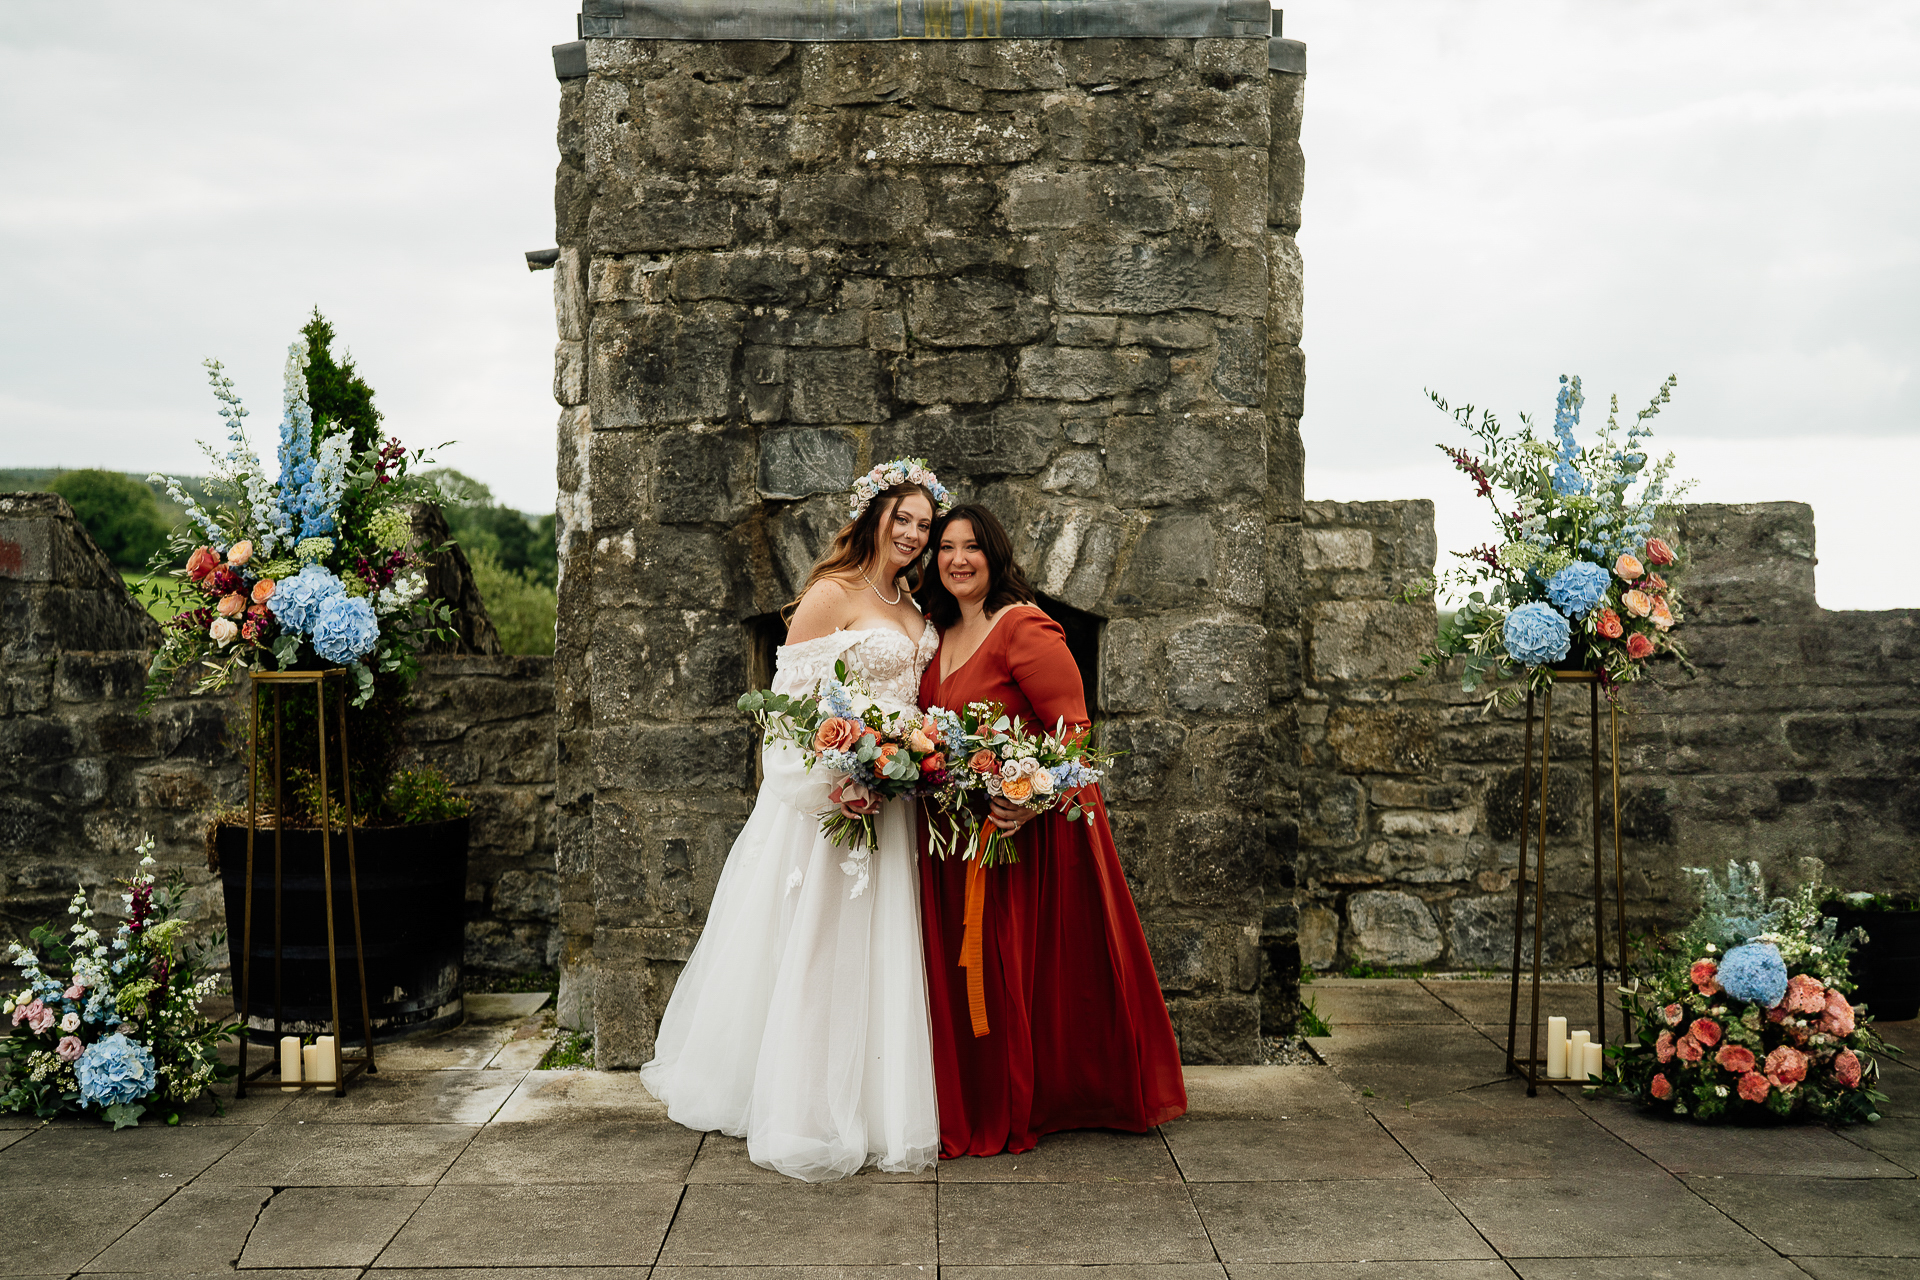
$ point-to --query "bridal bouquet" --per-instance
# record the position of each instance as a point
(870, 754)
(1006, 760)
(1582, 575)
(1747, 1013)
(312, 565)
(113, 1028)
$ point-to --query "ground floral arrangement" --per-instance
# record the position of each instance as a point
(311, 568)
(1746, 1016)
(1582, 576)
(114, 1029)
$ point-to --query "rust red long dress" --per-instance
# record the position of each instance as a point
(1079, 1036)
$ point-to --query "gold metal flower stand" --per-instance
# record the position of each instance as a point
(345, 1068)
(1533, 1066)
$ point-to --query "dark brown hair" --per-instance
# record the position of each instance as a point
(1005, 583)
(854, 545)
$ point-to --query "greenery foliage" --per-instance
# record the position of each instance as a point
(515, 566)
(118, 511)
(523, 610)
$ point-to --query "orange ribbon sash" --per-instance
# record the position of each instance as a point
(971, 947)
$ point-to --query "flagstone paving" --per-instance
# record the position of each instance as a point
(1408, 1153)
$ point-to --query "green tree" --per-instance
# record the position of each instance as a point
(520, 544)
(117, 510)
(523, 611)
(341, 399)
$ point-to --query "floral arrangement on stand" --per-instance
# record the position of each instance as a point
(1745, 1014)
(1006, 760)
(310, 568)
(1582, 576)
(114, 1029)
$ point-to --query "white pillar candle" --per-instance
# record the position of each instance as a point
(1556, 1048)
(289, 1062)
(1596, 1061)
(323, 1062)
(1577, 1055)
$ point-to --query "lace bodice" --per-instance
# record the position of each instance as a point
(885, 659)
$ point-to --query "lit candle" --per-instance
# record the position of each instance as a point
(1577, 1055)
(289, 1063)
(1556, 1048)
(323, 1061)
(1596, 1061)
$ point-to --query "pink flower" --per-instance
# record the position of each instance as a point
(1663, 1047)
(1689, 1049)
(1658, 553)
(35, 1014)
(1629, 568)
(69, 1048)
(1706, 1031)
(1673, 1013)
(1638, 647)
(1660, 1087)
(1786, 1067)
(1753, 1087)
(223, 630)
(1838, 1020)
(1805, 994)
(76, 992)
(855, 800)
(1662, 615)
(1702, 976)
(1736, 1058)
(1846, 1069)
(201, 563)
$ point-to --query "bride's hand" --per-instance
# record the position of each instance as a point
(1010, 817)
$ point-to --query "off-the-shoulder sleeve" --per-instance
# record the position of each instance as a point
(797, 668)
(1042, 665)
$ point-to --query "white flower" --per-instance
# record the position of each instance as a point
(70, 1023)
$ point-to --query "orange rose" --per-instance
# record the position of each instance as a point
(239, 553)
(1019, 789)
(1658, 552)
(1657, 582)
(1661, 615)
(1638, 646)
(983, 761)
(836, 734)
(1638, 603)
(232, 605)
(1608, 624)
(201, 563)
(888, 750)
(1628, 567)
(933, 763)
(263, 591)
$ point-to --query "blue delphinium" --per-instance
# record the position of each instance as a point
(1566, 416)
(115, 1070)
(1576, 589)
(296, 601)
(344, 628)
(1755, 973)
(296, 436)
(1536, 634)
(835, 697)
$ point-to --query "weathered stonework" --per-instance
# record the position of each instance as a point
(1064, 271)
(1798, 735)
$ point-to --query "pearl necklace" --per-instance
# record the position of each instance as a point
(876, 591)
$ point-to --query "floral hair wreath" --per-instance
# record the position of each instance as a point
(898, 472)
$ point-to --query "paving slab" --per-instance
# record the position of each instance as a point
(725, 1160)
(853, 1222)
(90, 1154)
(1807, 1151)
(1891, 1138)
(540, 1226)
(1681, 1265)
(1901, 1084)
(1158, 1271)
(577, 1151)
(1497, 1145)
(1352, 1002)
(10, 1136)
(516, 1273)
(201, 1229)
(1902, 1035)
(1287, 1151)
(1454, 1270)
(1084, 1155)
(344, 1155)
(52, 1230)
(1487, 1004)
(12, 1120)
(1067, 1222)
(1374, 1220)
(1857, 1268)
(328, 1226)
(1821, 1217)
(521, 1054)
(464, 1048)
(1506, 1096)
(218, 1105)
(1605, 1215)
(408, 1097)
(227, 1273)
(1396, 1066)
(1268, 1093)
(581, 1095)
(503, 1006)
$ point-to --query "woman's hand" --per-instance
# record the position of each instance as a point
(1010, 817)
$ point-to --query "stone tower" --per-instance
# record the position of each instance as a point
(1048, 244)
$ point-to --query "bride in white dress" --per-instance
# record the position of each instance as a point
(800, 1021)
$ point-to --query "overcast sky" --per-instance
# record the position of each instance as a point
(1498, 192)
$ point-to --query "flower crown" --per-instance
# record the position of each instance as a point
(898, 472)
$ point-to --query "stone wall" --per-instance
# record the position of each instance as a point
(84, 776)
(1798, 734)
(1064, 270)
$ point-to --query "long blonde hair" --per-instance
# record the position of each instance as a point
(854, 546)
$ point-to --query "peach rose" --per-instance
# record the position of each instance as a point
(263, 591)
(1838, 1019)
(1706, 1031)
(1689, 1049)
(1628, 567)
(1042, 783)
(223, 630)
(1607, 623)
(1638, 603)
(1019, 790)
(1661, 615)
(1673, 1013)
(239, 553)
(232, 605)
(1846, 1069)
(1657, 582)
(1805, 994)
(1658, 553)
(889, 751)
(983, 761)
(1736, 1058)
(1702, 976)
(1663, 1047)
(836, 733)
(1753, 1087)
(1786, 1067)
(919, 741)
(855, 800)
(1638, 647)
(201, 563)
(1660, 1087)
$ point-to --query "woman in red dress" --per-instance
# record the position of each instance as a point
(1077, 1030)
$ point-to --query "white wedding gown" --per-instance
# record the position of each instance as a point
(800, 1021)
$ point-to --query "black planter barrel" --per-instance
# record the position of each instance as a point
(1886, 967)
(413, 902)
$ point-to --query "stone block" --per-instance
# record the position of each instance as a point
(659, 664)
(1367, 640)
(1101, 129)
(1172, 565)
(651, 566)
(1221, 1031)
(1240, 365)
(663, 365)
(1217, 668)
(967, 377)
(702, 474)
(1145, 279)
(1286, 382)
(1011, 440)
(1209, 117)
(1200, 458)
(1336, 549)
(1131, 660)
(801, 462)
(1147, 749)
(99, 676)
(851, 208)
(1319, 938)
(1371, 739)
(753, 276)
(690, 125)
(809, 327)
(941, 137)
(1391, 928)
(1333, 811)
(657, 217)
(974, 312)
(1286, 291)
(834, 386)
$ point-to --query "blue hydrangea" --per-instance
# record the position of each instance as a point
(1536, 634)
(297, 600)
(115, 1070)
(345, 628)
(1755, 973)
(1576, 589)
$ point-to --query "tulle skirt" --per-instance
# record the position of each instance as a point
(800, 1021)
